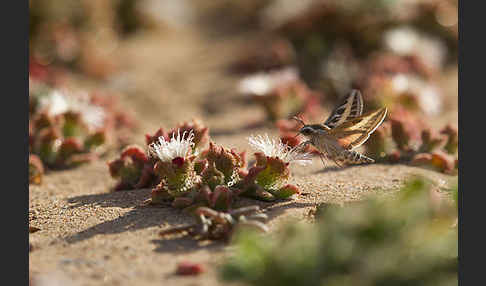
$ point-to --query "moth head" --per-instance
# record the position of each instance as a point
(307, 130)
(313, 129)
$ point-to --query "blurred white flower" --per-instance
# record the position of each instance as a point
(428, 96)
(180, 146)
(264, 82)
(60, 101)
(54, 103)
(275, 148)
(408, 41)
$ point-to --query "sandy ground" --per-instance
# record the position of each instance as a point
(91, 236)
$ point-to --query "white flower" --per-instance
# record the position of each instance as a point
(274, 148)
(263, 83)
(59, 102)
(180, 146)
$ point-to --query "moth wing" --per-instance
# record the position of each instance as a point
(349, 108)
(354, 132)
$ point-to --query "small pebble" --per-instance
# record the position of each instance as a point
(189, 268)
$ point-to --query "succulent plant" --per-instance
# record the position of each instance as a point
(68, 127)
(200, 133)
(281, 94)
(404, 241)
(268, 178)
(175, 162)
(405, 138)
(133, 169)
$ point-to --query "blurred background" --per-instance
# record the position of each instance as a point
(332, 46)
(264, 60)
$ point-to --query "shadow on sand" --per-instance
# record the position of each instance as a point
(141, 216)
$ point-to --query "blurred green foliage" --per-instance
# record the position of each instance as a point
(408, 240)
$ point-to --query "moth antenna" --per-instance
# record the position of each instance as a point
(298, 120)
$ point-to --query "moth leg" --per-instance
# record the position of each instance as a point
(339, 165)
(331, 151)
(334, 155)
(322, 159)
(304, 144)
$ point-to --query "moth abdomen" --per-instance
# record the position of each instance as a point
(353, 157)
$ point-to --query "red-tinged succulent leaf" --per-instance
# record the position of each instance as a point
(159, 194)
(443, 162)
(438, 161)
(212, 176)
(261, 159)
(42, 120)
(405, 128)
(395, 156)
(37, 71)
(96, 139)
(226, 161)
(452, 140)
(114, 167)
(70, 146)
(179, 178)
(286, 191)
(46, 145)
(221, 198)
(252, 174)
(73, 124)
(290, 139)
(189, 268)
(132, 168)
(147, 176)
(152, 138)
(275, 173)
(36, 169)
(241, 156)
(421, 159)
(135, 152)
(204, 194)
(242, 173)
(201, 132)
(430, 140)
(200, 166)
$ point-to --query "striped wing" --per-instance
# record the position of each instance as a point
(354, 132)
(351, 107)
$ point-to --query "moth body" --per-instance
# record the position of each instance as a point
(344, 130)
